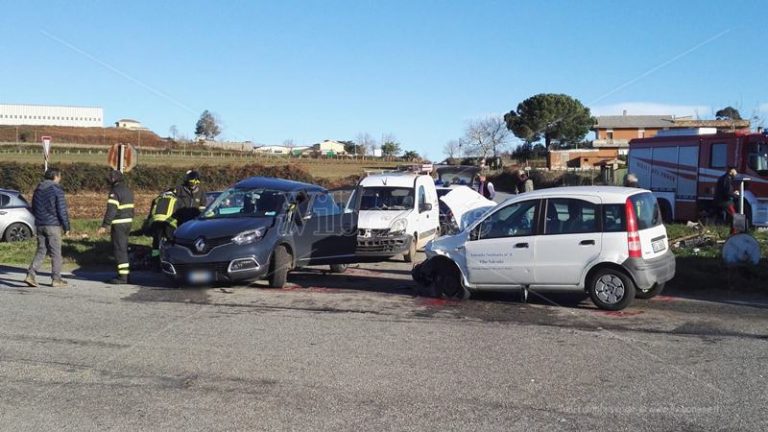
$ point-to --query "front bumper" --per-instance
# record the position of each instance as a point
(383, 246)
(224, 264)
(648, 272)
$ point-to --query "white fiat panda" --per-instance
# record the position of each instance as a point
(608, 241)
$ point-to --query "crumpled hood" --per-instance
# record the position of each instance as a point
(379, 219)
(466, 205)
(224, 227)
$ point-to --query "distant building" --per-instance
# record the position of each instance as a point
(329, 148)
(616, 131)
(581, 158)
(129, 124)
(50, 115)
(244, 146)
(280, 149)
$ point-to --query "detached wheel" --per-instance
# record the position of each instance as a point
(278, 268)
(650, 293)
(338, 268)
(410, 256)
(17, 232)
(447, 281)
(611, 289)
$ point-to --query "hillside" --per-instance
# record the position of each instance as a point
(81, 135)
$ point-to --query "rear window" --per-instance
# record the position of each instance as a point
(647, 210)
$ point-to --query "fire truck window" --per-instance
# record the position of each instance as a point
(719, 157)
(758, 158)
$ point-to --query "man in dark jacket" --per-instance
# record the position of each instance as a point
(726, 194)
(51, 218)
(190, 198)
(119, 217)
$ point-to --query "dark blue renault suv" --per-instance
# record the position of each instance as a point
(262, 228)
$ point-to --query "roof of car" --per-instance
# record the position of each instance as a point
(608, 193)
(395, 179)
(9, 191)
(277, 184)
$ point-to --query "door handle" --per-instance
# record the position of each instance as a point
(521, 246)
(587, 242)
(2, 212)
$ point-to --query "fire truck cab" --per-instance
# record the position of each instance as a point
(681, 167)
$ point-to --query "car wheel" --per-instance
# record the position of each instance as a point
(17, 232)
(650, 293)
(338, 268)
(278, 269)
(410, 256)
(447, 282)
(611, 289)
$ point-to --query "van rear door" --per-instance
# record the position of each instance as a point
(653, 234)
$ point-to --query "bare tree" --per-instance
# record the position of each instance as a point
(288, 143)
(366, 141)
(451, 149)
(173, 130)
(486, 136)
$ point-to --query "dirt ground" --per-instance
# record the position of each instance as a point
(91, 205)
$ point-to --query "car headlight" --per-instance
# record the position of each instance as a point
(249, 236)
(398, 226)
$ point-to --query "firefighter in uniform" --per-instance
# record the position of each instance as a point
(190, 198)
(119, 218)
(161, 222)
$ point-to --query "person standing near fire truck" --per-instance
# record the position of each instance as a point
(726, 194)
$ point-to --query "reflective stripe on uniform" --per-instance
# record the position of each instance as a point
(113, 201)
(155, 253)
(122, 221)
(123, 272)
(124, 265)
(125, 206)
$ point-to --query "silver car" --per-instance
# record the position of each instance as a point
(16, 220)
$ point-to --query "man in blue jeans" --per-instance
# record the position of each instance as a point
(51, 219)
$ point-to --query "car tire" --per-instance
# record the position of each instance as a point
(17, 232)
(611, 289)
(278, 269)
(650, 293)
(338, 268)
(410, 256)
(447, 282)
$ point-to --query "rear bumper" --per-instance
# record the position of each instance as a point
(648, 272)
(385, 246)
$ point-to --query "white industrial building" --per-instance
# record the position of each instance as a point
(51, 115)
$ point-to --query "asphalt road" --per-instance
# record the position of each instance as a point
(359, 351)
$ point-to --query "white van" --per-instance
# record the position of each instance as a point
(399, 214)
(607, 241)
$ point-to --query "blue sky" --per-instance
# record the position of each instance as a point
(314, 70)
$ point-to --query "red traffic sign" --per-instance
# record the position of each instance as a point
(122, 157)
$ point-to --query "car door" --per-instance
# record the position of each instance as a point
(570, 240)
(5, 212)
(328, 232)
(500, 249)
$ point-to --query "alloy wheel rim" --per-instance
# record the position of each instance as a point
(610, 289)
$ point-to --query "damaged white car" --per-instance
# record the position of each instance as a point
(607, 241)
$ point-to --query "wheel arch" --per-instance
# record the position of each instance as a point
(25, 223)
(442, 259)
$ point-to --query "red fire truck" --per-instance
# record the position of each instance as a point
(682, 166)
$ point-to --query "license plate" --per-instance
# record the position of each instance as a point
(200, 277)
(658, 246)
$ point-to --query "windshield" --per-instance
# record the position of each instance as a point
(457, 175)
(238, 202)
(758, 158)
(387, 198)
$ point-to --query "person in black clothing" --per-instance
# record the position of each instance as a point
(190, 198)
(51, 219)
(726, 194)
(119, 217)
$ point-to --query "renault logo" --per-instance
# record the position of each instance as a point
(200, 245)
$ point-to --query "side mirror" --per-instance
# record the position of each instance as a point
(425, 207)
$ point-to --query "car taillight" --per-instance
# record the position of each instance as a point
(633, 235)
